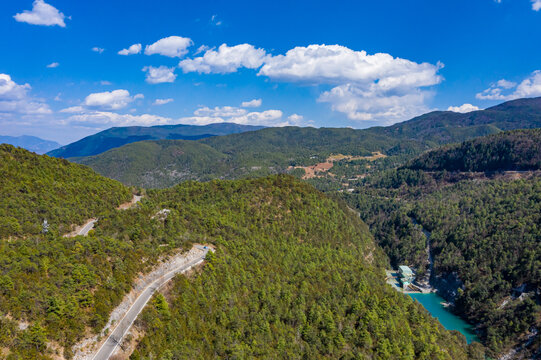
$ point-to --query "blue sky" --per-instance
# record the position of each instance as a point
(309, 63)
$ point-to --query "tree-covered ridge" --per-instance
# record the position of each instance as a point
(54, 290)
(34, 188)
(484, 229)
(274, 150)
(489, 234)
(119, 136)
(161, 163)
(295, 276)
(444, 127)
(512, 150)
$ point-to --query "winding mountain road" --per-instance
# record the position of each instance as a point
(115, 337)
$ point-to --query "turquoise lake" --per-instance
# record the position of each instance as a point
(433, 303)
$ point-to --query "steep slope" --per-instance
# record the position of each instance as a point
(280, 245)
(30, 143)
(441, 127)
(118, 136)
(161, 163)
(295, 276)
(484, 235)
(510, 150)
(274, 150)
(34, 188)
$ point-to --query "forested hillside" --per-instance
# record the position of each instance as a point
(510, 150)
(34, 188)
(294, 273)
(119, 136)
(161, 163)
(295, 276)
(274, 150)
(484, 229)
(442, 127)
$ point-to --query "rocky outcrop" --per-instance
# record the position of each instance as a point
(447, 285)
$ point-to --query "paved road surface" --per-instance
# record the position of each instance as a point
(108, 347)
(84, 231)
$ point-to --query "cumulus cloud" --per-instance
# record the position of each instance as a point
(41, 14)
(53, 65)
(132, 50)
(373, 104)
(507, 90)
(162, 101)
(335, 64)
(536, 5)
(367, 87)
(111, 100)
(106, 118)
(464, 108)
(172, 46)
(231, 114)
(295, 119)
(158, 75)
(226, 59)
(14, 99)
(98, 49)
(251, 103)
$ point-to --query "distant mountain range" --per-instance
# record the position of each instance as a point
(119, 136)
(274, 150)
(30, 143)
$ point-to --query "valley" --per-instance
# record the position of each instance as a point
(426, 209)
(244, 180)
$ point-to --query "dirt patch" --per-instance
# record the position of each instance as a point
(375, 156)
(134, 200)
(317, 170)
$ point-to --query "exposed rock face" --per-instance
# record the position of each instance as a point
(447, 285)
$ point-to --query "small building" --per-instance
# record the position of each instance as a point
(406, 275)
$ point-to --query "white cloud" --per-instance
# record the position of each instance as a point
(506, 84)
(201, 49)
(506, 90)
(536, 5)
(14, 99)
(106, 118)
(53, 65)
(374, 104)
(112, 100)
(336, 65)
(41, 14)
(172, 46)
(132, 50)
(105, 82)
(73, 109)
(231, 114)
(464, 108)
(98, 49)
(365, 87)
(162, 101)
(295, 119)
(214, 20)
(158, 75)
(251, 103)
(226, 59)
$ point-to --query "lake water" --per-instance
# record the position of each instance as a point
(433, 303)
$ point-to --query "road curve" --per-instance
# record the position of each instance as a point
(115, 337)
(88, 226)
